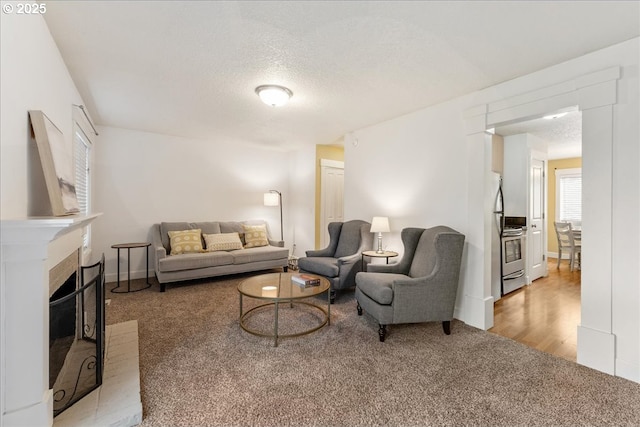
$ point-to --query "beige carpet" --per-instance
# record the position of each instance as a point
(198, 368)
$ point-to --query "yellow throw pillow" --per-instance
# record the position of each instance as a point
(222, 242)
(185, 241)
(255, 236)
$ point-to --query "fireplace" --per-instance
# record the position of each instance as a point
(34, 252)
(76, 335)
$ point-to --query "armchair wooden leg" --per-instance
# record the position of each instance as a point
(359, 308)
(285, 268)
(382, 332)
(446, 327)
(332, 296)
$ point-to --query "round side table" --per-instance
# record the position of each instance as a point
(128, 247)
(374, 254)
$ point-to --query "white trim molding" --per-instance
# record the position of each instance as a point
(594, 94)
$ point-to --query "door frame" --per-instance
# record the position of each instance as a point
(325, 165)
(594, 94)
(538, 157)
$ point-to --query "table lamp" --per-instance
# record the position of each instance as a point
(380, 224)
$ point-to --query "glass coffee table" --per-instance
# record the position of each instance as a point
(277, 288)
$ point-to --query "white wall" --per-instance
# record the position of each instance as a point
(33, 77)
(301, 200)
(515, 176)
(143, 178)
(440, 175)
(424, 183)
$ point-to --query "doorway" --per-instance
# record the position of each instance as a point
(546, 314)
(331, 196)
(543, 316)
(596, 95)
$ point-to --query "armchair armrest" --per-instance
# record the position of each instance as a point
(434, 294)
(349, 259)
(326, 252)
(385, 268)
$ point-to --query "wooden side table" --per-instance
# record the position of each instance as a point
(128, 247)
(374, 254)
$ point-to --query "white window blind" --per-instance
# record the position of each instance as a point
(83, 176)
(569, 195)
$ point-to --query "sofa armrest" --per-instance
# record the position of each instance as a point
(158, 248)
(278, 243)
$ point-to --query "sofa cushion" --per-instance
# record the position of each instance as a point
(378, 286)
(207, 227)
(263, 253)
(255, 236)
(232, 227)
(166, 227)
(194, 261)
(222, 242)
(185, 241)
(324, 266)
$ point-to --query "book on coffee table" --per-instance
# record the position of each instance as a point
(305, 280)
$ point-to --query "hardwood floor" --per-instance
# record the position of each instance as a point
(544, 315)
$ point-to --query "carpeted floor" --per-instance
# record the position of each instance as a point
(198, 368)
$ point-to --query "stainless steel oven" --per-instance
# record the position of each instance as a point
(513, 258)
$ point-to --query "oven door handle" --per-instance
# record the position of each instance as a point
(514, 275)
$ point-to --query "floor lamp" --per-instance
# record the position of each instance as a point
(274, 198)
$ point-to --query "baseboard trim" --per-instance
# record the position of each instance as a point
(138, 274)
(627, 370)
(596, 349)
(479, 312)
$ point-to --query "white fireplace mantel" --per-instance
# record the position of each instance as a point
(30, 248)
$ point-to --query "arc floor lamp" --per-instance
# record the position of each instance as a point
(274, 198)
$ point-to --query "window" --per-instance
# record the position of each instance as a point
(83, 176)
(569, 195)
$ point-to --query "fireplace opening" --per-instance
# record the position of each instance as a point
(76, 336)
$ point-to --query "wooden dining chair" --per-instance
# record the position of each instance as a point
(566, 240)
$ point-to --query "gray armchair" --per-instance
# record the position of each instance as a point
(422, 287)
(342, 259)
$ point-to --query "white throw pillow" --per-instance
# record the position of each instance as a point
(222, 242)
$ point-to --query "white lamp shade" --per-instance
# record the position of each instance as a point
(271, 199)
(274, 95)
(380, 224)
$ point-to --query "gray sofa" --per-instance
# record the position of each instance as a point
(175, 268)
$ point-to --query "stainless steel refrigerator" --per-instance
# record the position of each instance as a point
(496, 236)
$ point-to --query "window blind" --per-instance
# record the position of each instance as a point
(82, 172)
(570, 197)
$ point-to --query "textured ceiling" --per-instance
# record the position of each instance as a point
(563, 134)
(189, 68)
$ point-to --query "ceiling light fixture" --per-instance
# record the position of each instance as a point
(274, 95)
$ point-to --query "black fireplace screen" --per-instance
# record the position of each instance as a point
(76, 337)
